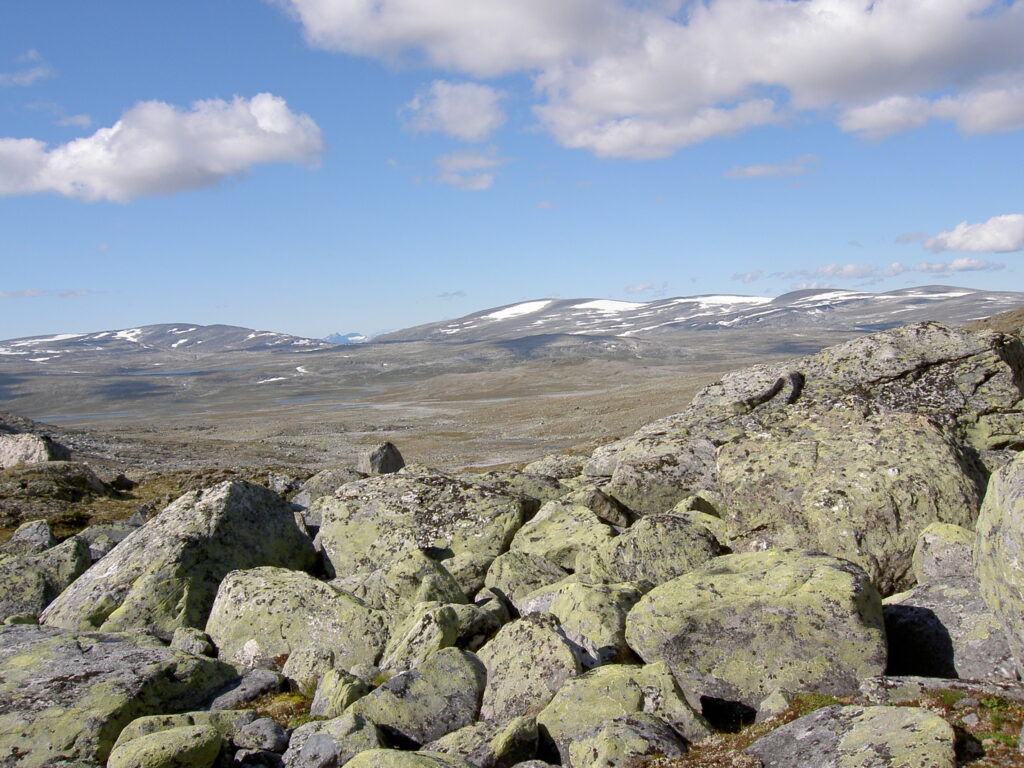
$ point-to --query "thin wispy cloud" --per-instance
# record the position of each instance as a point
(466, 111)
(872, 272)
(748, 277)
(31, 69)
(34, 293)
(159, 149)
(471, 170)
(452, 295)
(801, 166)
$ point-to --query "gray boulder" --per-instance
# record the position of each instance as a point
(30, 582)
(65, 695)
(744, 625)
(559, 532)
(516, 574)
(30, 538)
(942, 552)
(625, 741)
(487, 744)
(860, 737)
(165, 575)
(382, 460)
(558, 465)
(331, 743)
(190, 746)
(29, 449)
(325, 483)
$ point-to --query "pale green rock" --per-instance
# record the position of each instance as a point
(469, 571)
(336, 691)
(594, 617)
(440, 696)
(331, 742)
(488, 744)
(30, 538)
(558, 465)
(396, 758)
(226, 722)
(402, 583)
(559, 531)
(943, 551)
(607, 508)
(860, 488)
(186, 747)
(165, 575)
(540, 600)
(743, 625)
(624, 742)
(370, 522)
(999, 553)
(478, 623)
(28, 583)
(603, 694)
(268, 615)
(538, 487)
(656, 472)
(67, 695)
(429, 627)
(860, 737)
(516, 574)
(527, 662)
(656, 548)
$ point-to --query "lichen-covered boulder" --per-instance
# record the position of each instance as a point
(195, 746)
(943, 551)
(558, 465)
(656, 472)
(276, 616)
(944, 629)
(624, 741)
(428, 628)
(165, 575)
(368, 523)
(30, 538)
(593, 616)
(440, 696)
(65, 696)
(860, 737)
(516, 574)
(656, 548)
(607, 508)
(527, 661)
(227, 723)
(860, 488)
(29, 449)
(488, 744)
(402, 583)
(605, 693)
(744, 625)
(397, 758)
(30, 582)
(331, 742)
(336, 690)
(559, 531)
(999, 553)
(537, 487)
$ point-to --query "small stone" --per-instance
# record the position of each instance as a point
(192, 640)
(971, 720)
(382, 460)
(262, 734)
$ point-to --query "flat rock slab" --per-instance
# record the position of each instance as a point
(65, 696)
(860, 737)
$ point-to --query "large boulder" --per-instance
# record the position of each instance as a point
(369, 523)
(267, 614)
(655, 473)
(29, 449)
(30, 538)
(30, 582)
(333, 742)
(48, 490)
(625, 741)
(489, 744)
(402, 583)
(516, 574)
(860, 737)
(944, 629)
(65, 696)
(860, 488)
(189, 746)
(527, 661)
(381, 460)
(440, 696)
(560, 531)
(999, 553)
(744, 625)
(165, 575)
(943, 552)
(397, 758)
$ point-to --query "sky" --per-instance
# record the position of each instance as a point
(318, 166)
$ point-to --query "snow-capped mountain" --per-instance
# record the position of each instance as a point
(819, 309)
(176, 337)
(346, 338)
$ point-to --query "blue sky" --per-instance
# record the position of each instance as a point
(310, 166)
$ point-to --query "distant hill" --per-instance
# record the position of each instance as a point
(833, 309)
(346, 338)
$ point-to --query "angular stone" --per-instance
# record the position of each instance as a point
(558, 465)
(489, 744)
(396, 758)
(165, 575)
(327, 743)
(516, 574)
(382, 460)
(527, 662)
(559, 531)
(428, 628)
(624, 741)
(268, 615)
(743, 625)
(658, 472)
(30, 582)
(194, 746)
(65, 696)
(593, 616)
(400, 584)
(942, 552)
(227, 723)
(335, 692)
(30, 538)
(325, 483)
(860, 737)
(29, 449)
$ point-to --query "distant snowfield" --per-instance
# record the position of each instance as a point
(609, 305)
(518, 309)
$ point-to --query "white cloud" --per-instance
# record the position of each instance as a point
(964, 264)
(467, 111)
(33, 68)
(748, 277)
(74, 121)
(1000, 234)
(158, 149)
(847, 271)
(799, 167)
(469, 169)
(623, 78)
(639, 288)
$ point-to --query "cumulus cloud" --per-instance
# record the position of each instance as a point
(1000, 234)
(467, 111)
(799, 167)
(32, 68)
(469, 169)
(641, 79)
(159, 149)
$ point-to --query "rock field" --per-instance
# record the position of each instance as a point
(816, 563)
